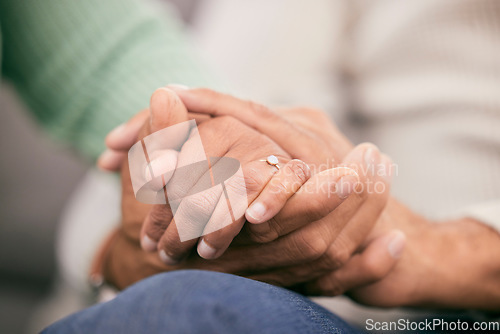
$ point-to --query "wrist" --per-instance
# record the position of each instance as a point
(457, 266)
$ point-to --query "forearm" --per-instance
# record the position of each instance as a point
(463, 266)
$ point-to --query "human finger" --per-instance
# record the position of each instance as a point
(371, 265)
(288, 179)
(259, 117)
(315, 200)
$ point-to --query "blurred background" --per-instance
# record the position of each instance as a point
(37, 176)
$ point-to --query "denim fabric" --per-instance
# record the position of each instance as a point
(194, 301)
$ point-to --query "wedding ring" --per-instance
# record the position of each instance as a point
(272, 160)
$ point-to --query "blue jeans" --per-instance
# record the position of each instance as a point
(194, 301)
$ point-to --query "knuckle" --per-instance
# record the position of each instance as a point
(235, 186)
(258, 108)
(159, 218)
(218, 126)
(223, 125)
(312, 245)
(210, 128)
(170, 245)
(372, 270)
(317, 209)
(254, 180)
(263, 233)
(155, 231)
(360, 192)
(201, 204)
(259, 237)
(279, 187)
(299, 170)
(228, 122)
(377, 200)
(176, 190)
(335, 288)
(337, 257)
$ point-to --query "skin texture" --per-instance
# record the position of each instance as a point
(448, 265)
(302, 233)
(224, 136)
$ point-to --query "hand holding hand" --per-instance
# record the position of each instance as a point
(307, 238)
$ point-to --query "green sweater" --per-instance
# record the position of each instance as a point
(85, 66)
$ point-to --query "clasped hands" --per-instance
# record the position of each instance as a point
(309, 224)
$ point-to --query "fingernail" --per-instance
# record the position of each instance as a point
(256, 211)
(345, 186)
(167, 259)
(370, 156)
(206, 251)
(396, 245)
(178, 87)
(160, 101)
(148, 244)
(117, 131)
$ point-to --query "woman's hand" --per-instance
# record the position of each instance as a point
(262, 183)
(201, 211)
(312, 250)
(446, 264)
(301, 242)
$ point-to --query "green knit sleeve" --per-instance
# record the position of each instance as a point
(85, 66)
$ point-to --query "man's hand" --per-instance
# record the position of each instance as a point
(201, 211)
(445, 264)
(308, 237)
(266, 186)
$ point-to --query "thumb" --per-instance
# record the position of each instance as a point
(165, 109)
(153, 159)
(167, 127)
